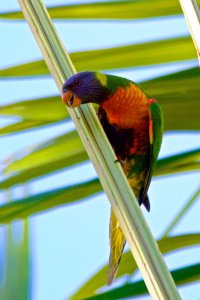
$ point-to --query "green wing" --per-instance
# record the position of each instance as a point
(155, 138)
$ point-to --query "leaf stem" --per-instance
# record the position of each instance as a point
(181, 213)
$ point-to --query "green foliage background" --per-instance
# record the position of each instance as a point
(178, 94)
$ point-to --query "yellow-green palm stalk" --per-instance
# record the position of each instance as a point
(125, 207)
(192, 16)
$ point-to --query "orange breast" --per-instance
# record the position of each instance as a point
(127, 108)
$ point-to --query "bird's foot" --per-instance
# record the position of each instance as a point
(121, 161)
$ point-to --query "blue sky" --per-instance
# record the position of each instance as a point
(71, 243)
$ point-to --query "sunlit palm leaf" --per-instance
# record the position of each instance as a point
(46, 162)
(51, 199)
(145, 54)
(109, 10)
(22, 126)
(33, 109)
(52, 150)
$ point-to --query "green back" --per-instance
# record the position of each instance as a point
(111, 82)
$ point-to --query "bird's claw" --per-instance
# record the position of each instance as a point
(119, 161)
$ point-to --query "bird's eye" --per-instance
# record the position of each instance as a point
(64, 90)
(77, 82)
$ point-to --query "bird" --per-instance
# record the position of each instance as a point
(133, 123)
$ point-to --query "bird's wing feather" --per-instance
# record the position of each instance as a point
(155, 139)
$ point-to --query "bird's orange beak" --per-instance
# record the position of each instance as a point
(70, 99)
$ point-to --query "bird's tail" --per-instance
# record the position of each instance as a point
(117, 243)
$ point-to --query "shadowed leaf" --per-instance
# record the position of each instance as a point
(16, 269)
(182, 162)
(178, 95)
(128, 265)
(181, 276)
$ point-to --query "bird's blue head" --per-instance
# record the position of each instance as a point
(84, 87)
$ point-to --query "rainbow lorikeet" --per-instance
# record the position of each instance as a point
(133, 124)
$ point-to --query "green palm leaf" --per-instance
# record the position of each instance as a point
(128, 265)
(16, 268)
(51, 156)
(64, 151)
(34, 204)
(181, 276)
(41, 202)
(33, 109)
(22, 126)
(145, 54)
(182, 213)
(109, 10)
